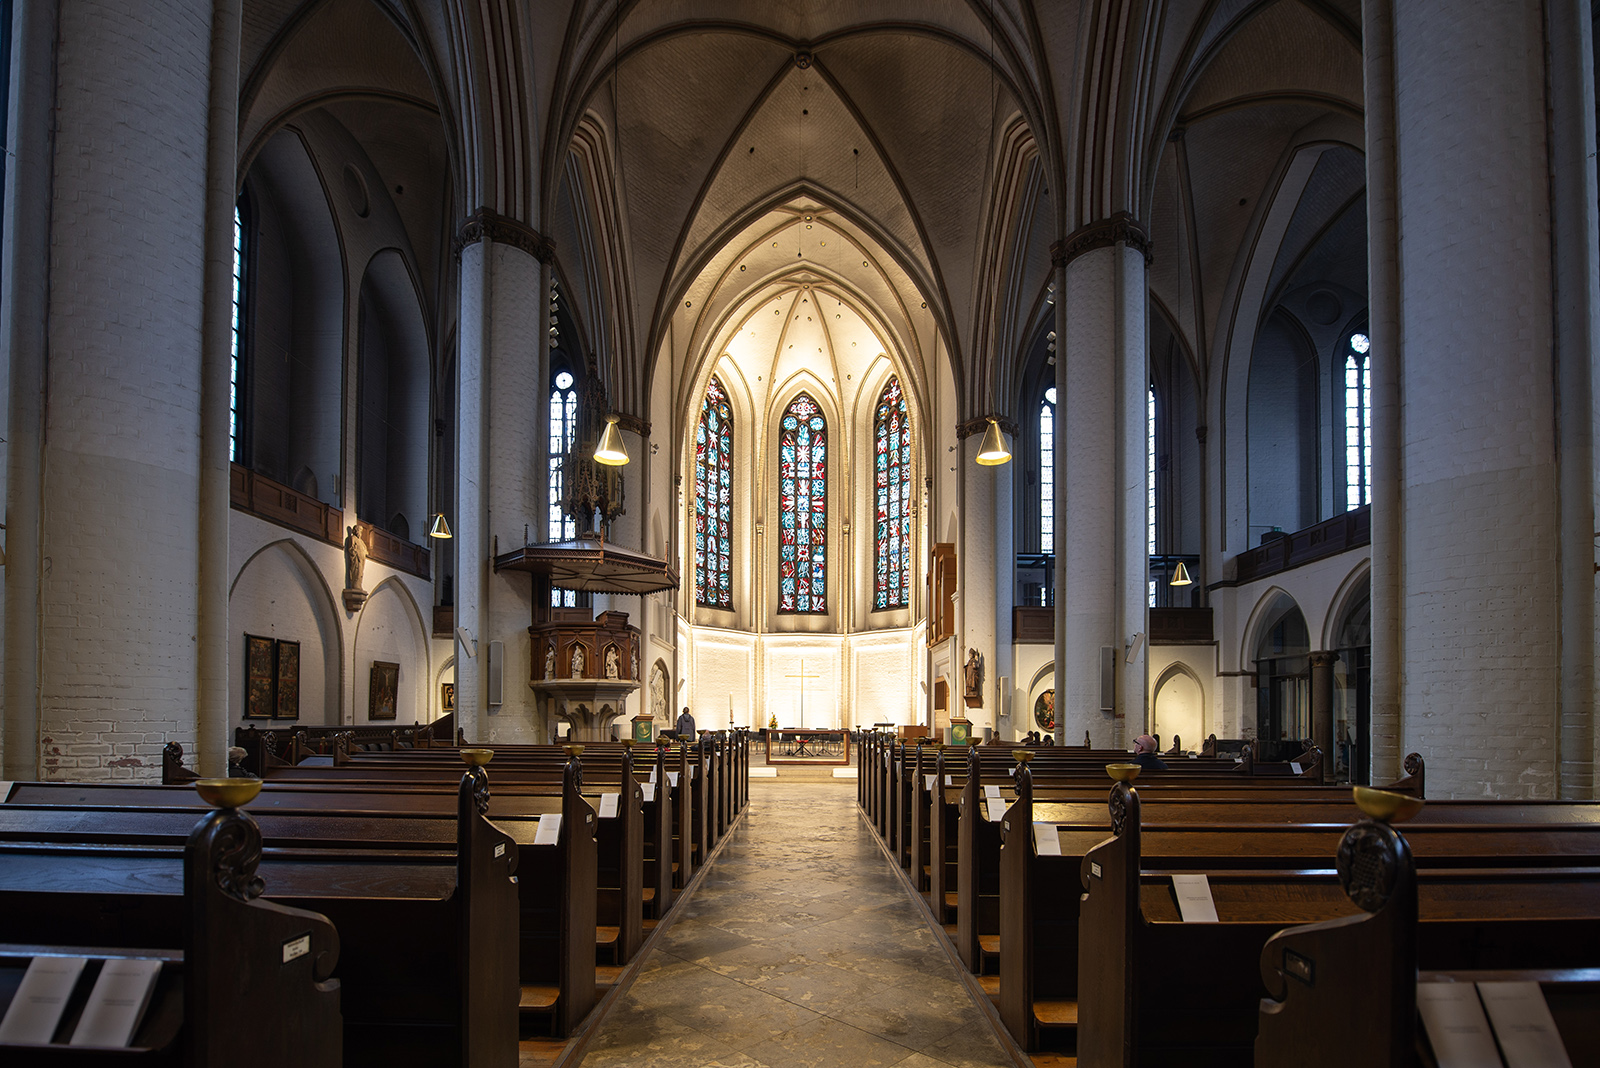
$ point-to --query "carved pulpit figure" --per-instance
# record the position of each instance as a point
(577, 662)
(550, 661)
(612, 665)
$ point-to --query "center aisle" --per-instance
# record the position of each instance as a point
(799, 948)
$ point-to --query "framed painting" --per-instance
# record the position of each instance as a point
(287, 705)
(1044, 711)
(384, 690)
(258, 678)
(447, 697)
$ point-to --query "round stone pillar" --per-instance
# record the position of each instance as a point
(502, 433)
(1483, 507)
(1102, 561)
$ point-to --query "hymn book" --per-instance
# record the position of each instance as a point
(1194, 898)
(1524, 1026)
(117, 1003)
(36, 1008)
(1456, 1026)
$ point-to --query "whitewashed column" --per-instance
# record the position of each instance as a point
(986, 558)
(1481, 612)
(502, 421)
(1102, 379)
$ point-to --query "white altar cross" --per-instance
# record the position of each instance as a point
(802, 676)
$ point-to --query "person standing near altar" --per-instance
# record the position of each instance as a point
(685, 724)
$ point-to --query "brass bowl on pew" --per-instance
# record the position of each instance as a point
(574, 751)
(477, 757)
(227, 793)
(1123, 772)
(1022, 755)
(1386, 805)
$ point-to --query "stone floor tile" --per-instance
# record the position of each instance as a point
(800, 948)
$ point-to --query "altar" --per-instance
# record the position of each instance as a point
(791, 745)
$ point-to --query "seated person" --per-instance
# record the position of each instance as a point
(1144, 753)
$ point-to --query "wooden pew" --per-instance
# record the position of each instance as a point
(1168, 992)
(236, 957)
(1364, 967)
(428, 967)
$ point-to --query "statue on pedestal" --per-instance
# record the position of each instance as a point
(355, 562)
(973, 676)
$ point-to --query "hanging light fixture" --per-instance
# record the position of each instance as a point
(1181, 577)
(611, 451)
(440, 528)
(993, 451)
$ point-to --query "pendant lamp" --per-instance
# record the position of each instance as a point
(611, 450)
(994, 449)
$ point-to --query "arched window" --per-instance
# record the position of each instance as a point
(1150, 481)
(1047, 471)
(235, 400)
(563, 429)
(803, 508)
(713, 500)
(1357, 422)
(892, 481)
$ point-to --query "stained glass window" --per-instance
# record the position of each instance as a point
(563, 428)
(1047, 471)
(1357, 422)
(713, 500)
(803, 508)
(238, 322)
(892, 492)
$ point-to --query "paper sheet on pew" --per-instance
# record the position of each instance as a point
(649, 789)
(549, 832)
(1046, 840)
(672, 780)
(996, 807)
(117, 1003)
(608, 806)
(36, 1008)
(1195, 904)
(991, 790)
(1522, 1022)
(1294, 766)
(1456, 1026)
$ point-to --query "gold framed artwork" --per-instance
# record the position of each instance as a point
(384, 690)
(447, 697)
(271, 678)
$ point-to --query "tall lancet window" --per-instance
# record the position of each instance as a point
(1357, 422)
(563, 429)
(803, 508)
(1047, 472)
(713, 500)
(235, 401)
(892, 480)
(1150, 481)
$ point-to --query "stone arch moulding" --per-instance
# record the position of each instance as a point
(1269, 608)
(324, 615)
(1355, 584)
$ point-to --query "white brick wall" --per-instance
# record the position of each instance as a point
(118, 600)
(1477, 460)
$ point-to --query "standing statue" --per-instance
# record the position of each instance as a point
(973, 672)
(577, 661)
(612, 666)
(550, 661)
(355, 557)
(658, 693)
(635, 675)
